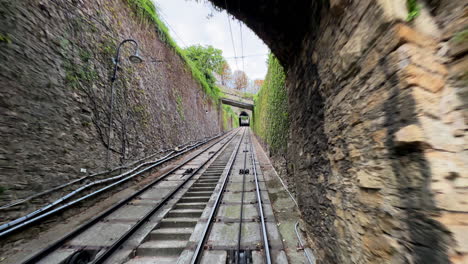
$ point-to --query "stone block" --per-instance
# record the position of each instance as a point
(459, 70)
(425, 23)
(368, 180)
(454, 27)
(447, 166)
(450, 100)
(426, 102)
(461, 183)
(457, 47)
(440, 135)
(412, 75)
(409, 134)
(421, 57)
(452, 201)
(408, 35)
(460, 234)
(394, 10)
(380, 137)
(441, 186)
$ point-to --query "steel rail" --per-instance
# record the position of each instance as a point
(40, 214)
(104, 256)
(260, 206)
(196, 257)
(169, 152)
(38, 256)
(34, 216)
(310, 259)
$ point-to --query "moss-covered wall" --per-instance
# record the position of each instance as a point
(270, 120)
(230, 118)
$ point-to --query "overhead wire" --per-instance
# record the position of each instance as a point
(241, 39)
(242, 46)
(163, 15)
(248, 56)
(230, 30)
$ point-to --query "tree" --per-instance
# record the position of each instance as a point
(240, 80)
(225, 74)
(257, 84)
(206, 57)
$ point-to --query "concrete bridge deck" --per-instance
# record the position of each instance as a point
(235, 98)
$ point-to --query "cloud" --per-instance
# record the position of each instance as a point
(189, 21)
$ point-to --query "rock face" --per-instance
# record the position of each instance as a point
(56, 64)
(377, 149)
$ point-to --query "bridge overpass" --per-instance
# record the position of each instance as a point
(237, 99)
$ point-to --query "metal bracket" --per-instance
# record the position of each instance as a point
(189, 171)
(244, 171)
(81, 257)
(239, 257)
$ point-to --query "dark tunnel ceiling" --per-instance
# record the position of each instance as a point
(281, 24)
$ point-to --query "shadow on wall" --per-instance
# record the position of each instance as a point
(428, 239)
(310, 173)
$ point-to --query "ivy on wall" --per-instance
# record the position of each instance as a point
(230, 118)
(147, 10)
(270, 120)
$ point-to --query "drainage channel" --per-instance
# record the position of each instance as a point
(103, 236)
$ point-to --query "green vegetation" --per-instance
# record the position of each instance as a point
(2, 190)
(271, 122)
(461, 36)
(80, 74)
(180, 106)
(5, 38)
(207, 60)
(146, 9)
(142, 112)
(230, 119)
(414, 9)
(248, 96)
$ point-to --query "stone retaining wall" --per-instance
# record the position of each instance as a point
(55, 72)
(377, 149)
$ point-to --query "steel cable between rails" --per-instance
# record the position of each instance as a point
(36, 215)
(260, 204)
(239, 235)
(197, 253)
(310, 259)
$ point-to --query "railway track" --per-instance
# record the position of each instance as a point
(84, 192)
(240, 227)
(212, 208)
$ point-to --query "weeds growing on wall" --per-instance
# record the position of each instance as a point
(146, 9)
(230, 119)
(414, 9)
(271, 108)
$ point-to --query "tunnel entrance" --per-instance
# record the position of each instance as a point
(244, 119)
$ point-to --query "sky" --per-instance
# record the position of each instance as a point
(191, 23)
